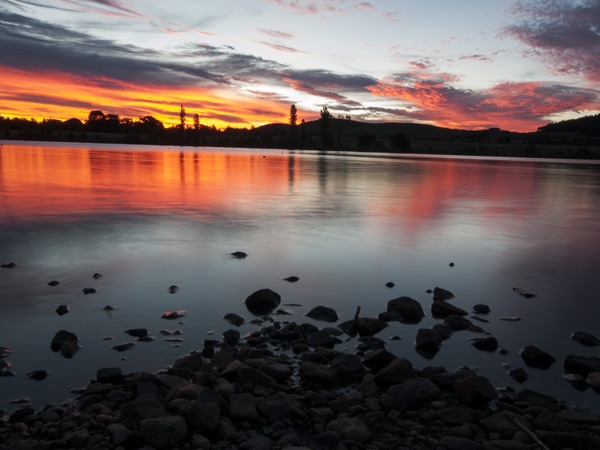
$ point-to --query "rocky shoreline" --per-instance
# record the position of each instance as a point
(286, 386)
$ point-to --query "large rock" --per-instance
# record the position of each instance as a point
(279, 406)
(317, 372)
(163, 432)
(585, 338)
(409, 308)
(428, 340)
(474, 391)
(262, 301)
(65, 342)
(242, 408)
(277, 371)
(395, 372)
(411, 394)
(349, 367)
(536, 357)
(441, 294)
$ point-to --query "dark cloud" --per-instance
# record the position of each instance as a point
(566, 34)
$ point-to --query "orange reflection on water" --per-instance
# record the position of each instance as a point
(69, 180)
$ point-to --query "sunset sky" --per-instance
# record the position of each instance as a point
(470, 64)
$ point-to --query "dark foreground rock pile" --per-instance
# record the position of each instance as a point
(286, 386)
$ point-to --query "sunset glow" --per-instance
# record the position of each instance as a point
(511, 64)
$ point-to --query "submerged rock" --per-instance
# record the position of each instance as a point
(124, 346)
(524, 292)
(234, 319)
(585, 338)
(137, 332)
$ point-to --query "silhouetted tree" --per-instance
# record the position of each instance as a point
(95, 120)
(196, 128)
(303, 133)
(400, 141)
(324, 123)
(365, 140)
(293, 126)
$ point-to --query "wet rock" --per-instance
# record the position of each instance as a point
(137, 332)
(37, 375)
(192, 361)
(173, 289)
(61, 310)
(524, 292)
(231, 337)
(488, 344)
(585, 338)
(370, 326)
(262, 301)
(390, 316)
(234, 319)
(88, 290)
(481, 309)
(291, 279)
(443, 309)
(441, 294)
(519, 375)
(239, 255)
(62, 337)
(389, 284)
(123, 347)
(428, 340)
(536, 357)
(53, 283)
(458, 323)
(172, 315)
(474, 391)
(409, 308)
(323, 313)
(577, 381)
(581, 365)
(109, 375)
(398, 370)
(163, 432)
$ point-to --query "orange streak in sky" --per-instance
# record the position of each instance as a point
(62, 96)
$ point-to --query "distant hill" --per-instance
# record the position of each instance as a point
(589, 125)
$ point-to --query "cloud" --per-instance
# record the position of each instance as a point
(281, 48)
(337, 7)
(276, 33)
(518, 106)
(566, 34)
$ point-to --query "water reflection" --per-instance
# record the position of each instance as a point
(149, 218)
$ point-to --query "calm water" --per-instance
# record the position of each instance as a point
(147, 218)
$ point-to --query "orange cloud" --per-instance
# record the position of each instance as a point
(63, 96)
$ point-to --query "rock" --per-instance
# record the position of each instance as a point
(411, 394)
(524, 292)
(231, 337)
(53, 283)
(97, 276)
(247, 374)
(519, 375)
(242, 408)
(192, 361)
(349, 367)
(173, 289)
(239, 255)
(172, 315)
(61, 310)
(459, 443)
(566, 440)
(398, 370)
(378, 359)
(109, 375)
(474, 391)
(10, 265)
(481, 309)
(317, 372)
(88, 290)
(442, 309)
(488, 344)
(137, 332)
(37, 375)
(428, 340)
(61, 337)
(234, 319)
(262, 301)
(538, 399)
(163, 432)
(535, 357)
(350, 428)
(458, 323)
(390, 316)
(123, 347)
(145, 406)
(291, 279)
(440, 294)
(581, 365)
(585, 338)
(389, 284)
(321, 339)
(323, 313)
(279, 372)
(410, 309)
(370, 326)
(280, 406)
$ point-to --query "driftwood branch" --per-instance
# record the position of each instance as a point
(530, 433)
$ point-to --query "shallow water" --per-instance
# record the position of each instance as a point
(149, 217)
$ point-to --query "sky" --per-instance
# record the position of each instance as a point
(466, 64)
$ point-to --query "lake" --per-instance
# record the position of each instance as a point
(346, 224)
